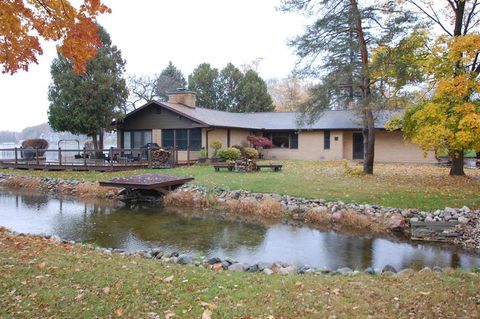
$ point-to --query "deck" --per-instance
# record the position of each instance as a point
(146, 186)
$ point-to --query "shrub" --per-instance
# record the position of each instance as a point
(259, 141)
(229, 154)
(203, 153)
(216, 145)
(241, 148)
(39, 143)
(250, 153)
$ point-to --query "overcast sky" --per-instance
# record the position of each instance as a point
(152, 32)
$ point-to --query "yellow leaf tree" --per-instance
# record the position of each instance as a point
(24, 22)
(449, 121)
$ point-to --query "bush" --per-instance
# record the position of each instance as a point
(259, 141)
(241, 148)
(203, 153)
(216, 145)
(39, 143)
(229, 154)
(250, 153)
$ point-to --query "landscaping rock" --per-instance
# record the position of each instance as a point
(239, 267)
(406, 272)
(267, 271)
(389, 268)
(370, 271)
(214, 260)
(425, 270)
(184, 260)
(345, 271)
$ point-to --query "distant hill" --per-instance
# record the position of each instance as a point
(46, 132)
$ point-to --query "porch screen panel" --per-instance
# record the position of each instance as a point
(127, 142)
(294, 140)
(167, 138)
(195, 139)
(181, 138)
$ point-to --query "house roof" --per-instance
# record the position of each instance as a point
(329, 119)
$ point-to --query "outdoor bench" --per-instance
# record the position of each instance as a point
(229, 166)
(275, 167)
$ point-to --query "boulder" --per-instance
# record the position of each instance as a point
(239, 267)
(389, 268)
(337, 217)
(184, 260)
(345, 271)
(396, 223)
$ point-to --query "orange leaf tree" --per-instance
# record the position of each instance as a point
(24, 22)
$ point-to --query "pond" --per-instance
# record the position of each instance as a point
(115, 225)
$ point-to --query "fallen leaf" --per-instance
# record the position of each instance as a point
(168, 280)
(106, 290)
(169, 314)
(207, 314)
(425, 293)
(210, 306)
(119, 312)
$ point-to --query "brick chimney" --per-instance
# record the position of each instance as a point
(182, 96)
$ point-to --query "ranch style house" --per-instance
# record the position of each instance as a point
(335, 135)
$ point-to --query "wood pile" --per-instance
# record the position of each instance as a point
(160, 158)
(245, 165)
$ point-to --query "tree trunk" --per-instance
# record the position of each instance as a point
(457, 164)
(100, 139)
(368, 142)
(94, 141)
(367, 114)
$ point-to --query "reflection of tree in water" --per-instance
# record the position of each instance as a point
(113, 226)
(34, 201)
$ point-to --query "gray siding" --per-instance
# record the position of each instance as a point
(149, 118)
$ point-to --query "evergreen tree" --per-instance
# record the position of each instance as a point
(254, 95)
(87, 104)
(204, 82)
(170, 80)
(229, 88)
(337, 49)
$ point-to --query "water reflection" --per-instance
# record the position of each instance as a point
(136, 228)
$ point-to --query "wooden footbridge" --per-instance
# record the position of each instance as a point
(147, 185)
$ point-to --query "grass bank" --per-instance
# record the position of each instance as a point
(395, 185)
(39, 278)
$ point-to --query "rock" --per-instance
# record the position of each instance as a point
(425, 270)
(239, 267)
(389, 268)
(414, 219)
(465, 209)
(370, 271)
(262, 266)
(337, 217)
(287, 270)
(463, 220)
(217, 267)
(345, 271)
(304, 269)
(406, 272)
(267, 271)
(214, 260)
(388, 273)
(225, 264)
(252, 268)
(437, 269)
(396, 223)
(184, 260)
(174, 254)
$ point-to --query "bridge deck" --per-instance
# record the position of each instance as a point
(148, 181)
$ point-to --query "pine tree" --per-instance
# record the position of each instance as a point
(170, 80)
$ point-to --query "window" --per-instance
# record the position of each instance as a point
(294, 140)
(326, 140)
(283, 139)
(184, 138)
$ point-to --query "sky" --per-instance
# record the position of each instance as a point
(151, 32)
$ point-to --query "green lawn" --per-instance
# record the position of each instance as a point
(394, 185)
(39, 279)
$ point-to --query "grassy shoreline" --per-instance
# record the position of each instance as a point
(45, 279)
(425, 187)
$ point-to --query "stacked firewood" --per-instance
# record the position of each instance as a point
(160, 158)
(245, 165)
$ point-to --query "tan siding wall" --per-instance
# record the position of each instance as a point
(391, 147)
(310, 147)
(348, 145)
(219, 134)
(239, 137)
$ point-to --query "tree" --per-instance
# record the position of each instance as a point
(229, 88)
(254, 95)
(337, 48)
(87, 104)
(142, 89)
(25, 22)
(449, 121)
(170, 80)
(289, 93)
(204, 82)
(453, 75)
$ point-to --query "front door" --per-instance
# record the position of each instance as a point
(357, 146)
